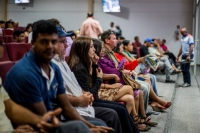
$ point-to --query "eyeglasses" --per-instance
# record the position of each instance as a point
(64, 42)
(111, 32)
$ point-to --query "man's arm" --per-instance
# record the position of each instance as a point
(82, 101)
(179, 53)
(99, 29)
(20, 115)
(69, 111)
(191, 49)
(82, 30)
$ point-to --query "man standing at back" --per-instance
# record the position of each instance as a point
(187, 46)
(91, 27)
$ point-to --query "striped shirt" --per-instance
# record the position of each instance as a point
(72, 86)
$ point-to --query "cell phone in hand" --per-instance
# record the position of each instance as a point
(139, 78)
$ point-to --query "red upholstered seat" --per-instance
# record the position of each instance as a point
(5, 54)
(7, 32)
(20, 28)
(138, 52)
(26, 39)
(1, 39)
(4, 68)
(16, 51)
(28, 46)
(8, 39)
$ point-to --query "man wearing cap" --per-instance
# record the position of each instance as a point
(163, 63)
(36, 83)
(82, 101)
(91, 27)
(186, 50)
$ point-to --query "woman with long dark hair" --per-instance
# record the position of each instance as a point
(28, 29)
(82, 60)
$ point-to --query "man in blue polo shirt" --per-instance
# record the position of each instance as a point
(36, 83)
(186, 50)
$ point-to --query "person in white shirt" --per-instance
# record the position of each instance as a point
(82, 101)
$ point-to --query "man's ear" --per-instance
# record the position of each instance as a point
(107, 40)
(32, 43)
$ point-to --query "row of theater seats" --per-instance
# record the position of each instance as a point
(12, 53)
(10, 39)
(10, 32)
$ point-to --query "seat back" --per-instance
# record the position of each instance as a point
(8, 39)
(4, 68)
(1, 39)
(28, 46)
(138, 52)
(5, 54)
(16, 51)
(26, 39)
(7, 32)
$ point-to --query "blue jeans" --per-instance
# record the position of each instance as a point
(153, 82)
(185, 67)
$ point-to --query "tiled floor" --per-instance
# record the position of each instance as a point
(184, 115)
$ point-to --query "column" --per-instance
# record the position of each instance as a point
(4, 9)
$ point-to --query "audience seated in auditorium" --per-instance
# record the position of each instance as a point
(9, 25)
(167, 52)
(121, 39)
(28, 29)
(134, 64)
(82, 101)
(156, 49)
(25, 121)
(68, 38)
(110, 65)
(164, 63)
(18, 36)
(38, 85)
(153, 96)
(2, 26)
(114, 90)
(73, 35)
(136, 44)
(80, 61)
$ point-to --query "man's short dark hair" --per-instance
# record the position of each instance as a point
(164, 40)
(106, 35)
(135, 37)
(17, 33)
(90, 14)
(2, 22)
(153, 39)
(122, 38)
(112, 23)
(42, 27)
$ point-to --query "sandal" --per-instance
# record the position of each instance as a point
(138, 122)
(151, 124)
(158, 109)
(148, 122)
(167, 105)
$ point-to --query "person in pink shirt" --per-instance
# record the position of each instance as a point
(69, 45)
(91, 27)
(167, 52)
